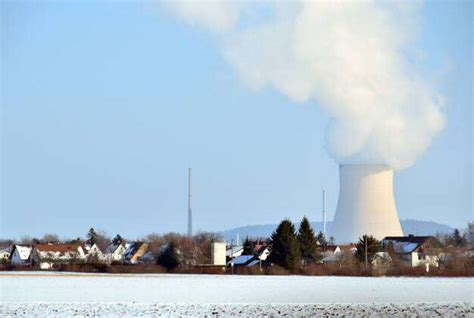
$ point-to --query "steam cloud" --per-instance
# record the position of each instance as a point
(354, 59)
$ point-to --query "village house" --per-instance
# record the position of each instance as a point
(93, 253)
(381, 262)
(259, 257)
(234, 251)
(115, 252)
(351, 248)
(48, 256)
(134, 251)
(331, 253)
(414, 250)
(148, 259)
(242, 260)
(5, 255)
(20, 255)
(262, 252)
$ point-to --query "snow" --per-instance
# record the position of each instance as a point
(50, 294)
(236, 310)
(44, 287)
(241, 260)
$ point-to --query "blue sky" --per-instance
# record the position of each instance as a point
(106, 104)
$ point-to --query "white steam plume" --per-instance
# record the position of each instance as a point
(349, 57)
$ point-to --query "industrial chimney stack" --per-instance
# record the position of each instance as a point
(366, 204)
(190, 211)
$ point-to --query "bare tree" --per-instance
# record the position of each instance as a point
(102, 240)
(28, 240)
(193, 250)
(469, 234)
(155, 243)
(50, 238)
(5, 243)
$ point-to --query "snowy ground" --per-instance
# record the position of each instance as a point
(46, 294)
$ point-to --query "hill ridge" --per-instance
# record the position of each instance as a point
(409, 226)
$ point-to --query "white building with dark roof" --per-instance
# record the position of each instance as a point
(21, 255)
(5, 254)
(414, 250)
(115, 252)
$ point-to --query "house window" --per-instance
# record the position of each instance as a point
(421, 256)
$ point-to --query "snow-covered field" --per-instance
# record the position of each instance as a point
(39, 293)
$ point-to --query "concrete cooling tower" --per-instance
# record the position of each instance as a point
(366, 204)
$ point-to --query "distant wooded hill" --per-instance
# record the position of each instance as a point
(262, 231)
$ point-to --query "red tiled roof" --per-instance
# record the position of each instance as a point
(61, 248)
(347, 247)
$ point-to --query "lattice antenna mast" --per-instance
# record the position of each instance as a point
(190, 210)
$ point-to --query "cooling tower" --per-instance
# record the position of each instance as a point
(366, 204)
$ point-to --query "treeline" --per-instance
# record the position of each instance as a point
(293, 251)
(170, 249)
(301, 252)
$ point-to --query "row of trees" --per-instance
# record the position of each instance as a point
(458, 238)
(290, 248)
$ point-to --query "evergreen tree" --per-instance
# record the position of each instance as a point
(373, 246)
(322, 239)
(285, 246)
(91, 236)
(308, 243)
(457, 239)
(248, 247)
(75, 241)
(117, 240)
(169, 257)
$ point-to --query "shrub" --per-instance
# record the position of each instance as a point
(169, 257)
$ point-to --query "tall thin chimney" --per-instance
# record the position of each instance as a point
(324, 213)
(190, 211)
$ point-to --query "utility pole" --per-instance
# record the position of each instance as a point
(324, 213)
(190, 211)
